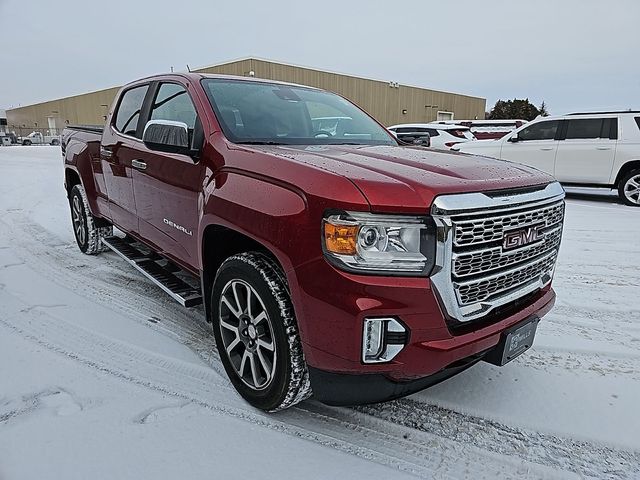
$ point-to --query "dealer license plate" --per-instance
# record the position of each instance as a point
(514, 342)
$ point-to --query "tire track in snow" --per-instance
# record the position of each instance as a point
(342, 422)
(583, 458)
(420, 453)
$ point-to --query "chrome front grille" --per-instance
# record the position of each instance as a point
(477, 266)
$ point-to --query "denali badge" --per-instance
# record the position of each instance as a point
(524, 236)
(177, 227)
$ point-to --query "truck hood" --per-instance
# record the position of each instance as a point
(409, 178)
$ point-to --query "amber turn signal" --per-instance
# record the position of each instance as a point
(340, 239)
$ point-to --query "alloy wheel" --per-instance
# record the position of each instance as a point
(247, 334)
(632, 189)
(78, 220)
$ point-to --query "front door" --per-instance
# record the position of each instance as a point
(167, 186)
(536, 146)
(120, 144)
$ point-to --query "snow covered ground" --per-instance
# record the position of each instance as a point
(103, 376)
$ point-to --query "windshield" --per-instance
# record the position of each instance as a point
(268, 113)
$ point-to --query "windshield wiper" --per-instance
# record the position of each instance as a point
(261, 142)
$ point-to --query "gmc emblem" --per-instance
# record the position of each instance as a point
(524, 236)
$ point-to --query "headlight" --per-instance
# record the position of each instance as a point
(376, 243)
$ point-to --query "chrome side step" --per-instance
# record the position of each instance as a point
(156, 268)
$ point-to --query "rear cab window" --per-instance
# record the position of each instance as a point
(127, 115)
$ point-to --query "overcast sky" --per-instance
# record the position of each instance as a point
(573, 54)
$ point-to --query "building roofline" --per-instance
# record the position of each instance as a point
(316, 69)
(198, 70)
(65, 98)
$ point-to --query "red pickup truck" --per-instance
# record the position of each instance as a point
(334, 262)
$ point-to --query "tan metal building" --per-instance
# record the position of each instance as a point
(389, 102)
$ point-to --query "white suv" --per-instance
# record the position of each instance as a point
(585, 149)
(442, 135)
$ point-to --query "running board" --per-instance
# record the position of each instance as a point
(156, 268)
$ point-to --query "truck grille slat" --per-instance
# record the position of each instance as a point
(479, 261)
(488, 229)
(480, 290)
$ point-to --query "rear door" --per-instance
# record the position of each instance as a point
(121, 141)
(587, 150)
(536, 146)
(167, 186)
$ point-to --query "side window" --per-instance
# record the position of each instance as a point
(173, 103)
(588, 128)
(128, 114)
(637, 121)
(539, 131)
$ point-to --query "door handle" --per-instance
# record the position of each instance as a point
(139, 164)
(546, 149)
(106, 152)
(603, 148)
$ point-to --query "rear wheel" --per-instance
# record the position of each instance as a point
(88, 236)
(26, 142)
(629, 188)
(257, 334)
(55, 142)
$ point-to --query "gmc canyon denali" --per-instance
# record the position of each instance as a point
(339, 263)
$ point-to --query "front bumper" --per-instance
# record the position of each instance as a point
(331, 306)
(342, 389)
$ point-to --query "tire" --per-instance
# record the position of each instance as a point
(252, 310)
(26, 142)
(88, 236)
(629, 188)
(55, 142)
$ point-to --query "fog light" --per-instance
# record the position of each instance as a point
(382, 339)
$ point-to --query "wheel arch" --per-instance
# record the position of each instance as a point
(220, 242)
(71, 179)
(626, 168)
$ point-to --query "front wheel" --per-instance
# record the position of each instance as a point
(629, 188)
(55, 142)
(88, 236)
(26, 142)
(257, 334)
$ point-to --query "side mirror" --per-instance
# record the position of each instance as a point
(167, 136)
(514, 138)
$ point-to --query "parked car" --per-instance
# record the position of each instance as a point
(442, 135)
(345, 265)
(600, 149)
(36, 138)
(488, 129)
(5, 140)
